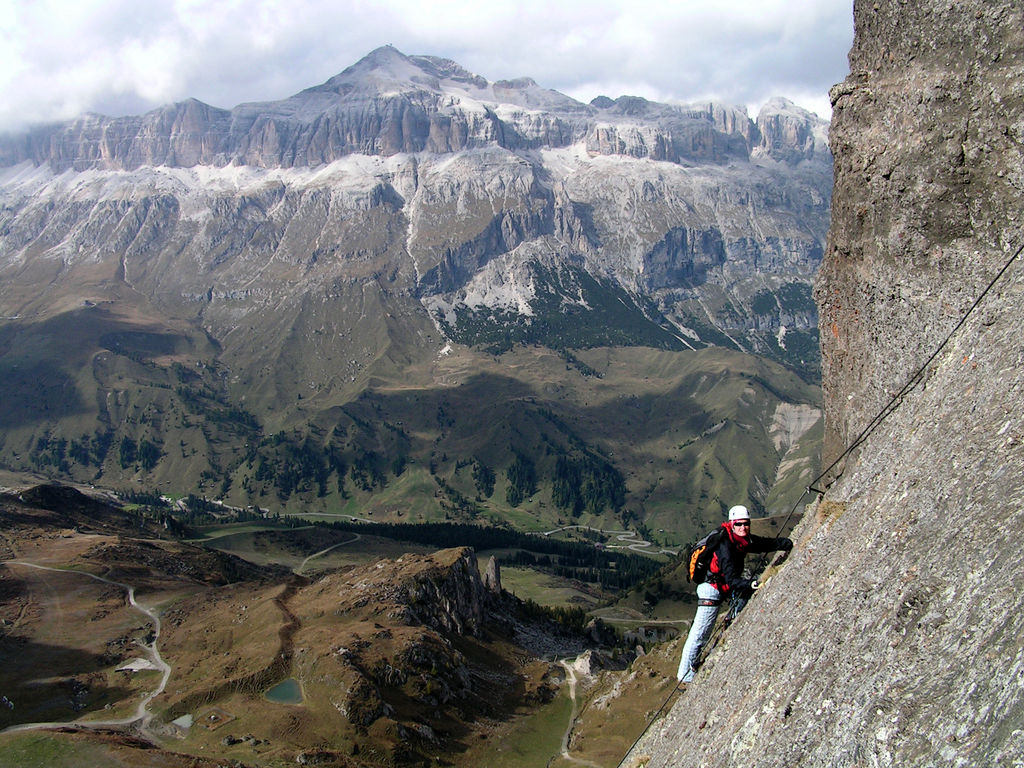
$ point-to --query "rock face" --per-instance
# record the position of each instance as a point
(449, 596)
(892, 637)
(492, 576)
(931, 222)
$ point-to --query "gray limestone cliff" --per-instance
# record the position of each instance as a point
(389, 103)
(492, 576)
(893, 637)
(490, 210)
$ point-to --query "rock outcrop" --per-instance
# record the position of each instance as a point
(398, 662)
(443, 591)
(492, 576)
(892, 637)
(407, 648)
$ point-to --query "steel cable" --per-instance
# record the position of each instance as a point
(872, 425)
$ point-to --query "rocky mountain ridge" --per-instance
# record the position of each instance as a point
(389, 103)
(473, 172)
(197, 281)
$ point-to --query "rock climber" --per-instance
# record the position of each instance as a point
(725, 579)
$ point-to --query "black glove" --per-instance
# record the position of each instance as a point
(783, 544)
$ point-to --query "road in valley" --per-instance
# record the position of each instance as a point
(142, 716)
(629, 540)
(302, 565)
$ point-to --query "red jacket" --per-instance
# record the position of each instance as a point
(726, 569)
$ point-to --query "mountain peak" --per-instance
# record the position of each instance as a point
(790, 133)
(388, 70)
(779, 105)
(382, 57)
(385, 66)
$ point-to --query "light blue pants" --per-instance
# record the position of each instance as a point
(700, 630)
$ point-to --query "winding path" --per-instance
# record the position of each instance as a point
(302, 565)
(570, 676)
(142, 714)
(630, 539)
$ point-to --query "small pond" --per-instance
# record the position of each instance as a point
(286, 692)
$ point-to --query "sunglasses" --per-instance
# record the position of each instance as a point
(746, 524)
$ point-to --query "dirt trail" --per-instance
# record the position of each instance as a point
(276, 671)
(570, 676)
(142, 714)
(302, 565)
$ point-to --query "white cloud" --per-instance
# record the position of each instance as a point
(59, 58)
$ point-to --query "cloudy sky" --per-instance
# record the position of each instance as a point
(59, 58)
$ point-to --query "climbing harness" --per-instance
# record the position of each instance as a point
(872, 425)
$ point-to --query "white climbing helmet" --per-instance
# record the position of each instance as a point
(739, 512)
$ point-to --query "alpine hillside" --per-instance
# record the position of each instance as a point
(415, 660)
(412, 282)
